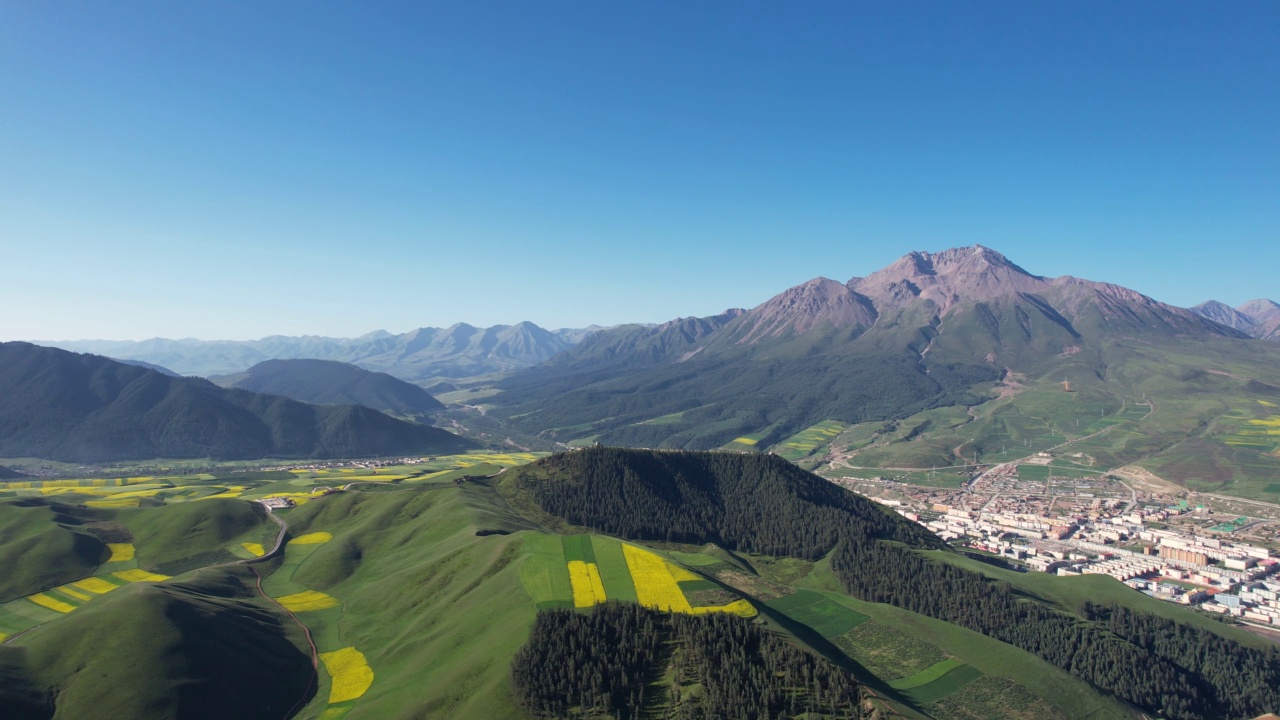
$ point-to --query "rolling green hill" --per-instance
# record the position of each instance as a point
(327, 382)
(84, 408)
(204, 647)
(419, 594)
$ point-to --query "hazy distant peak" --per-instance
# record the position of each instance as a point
(1224, 314)
(1261, 310)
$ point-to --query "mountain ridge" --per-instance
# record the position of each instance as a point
(460, 350)
(65, 406)
(1258, 318)
(929, 329)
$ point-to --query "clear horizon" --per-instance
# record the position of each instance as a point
(240, 171)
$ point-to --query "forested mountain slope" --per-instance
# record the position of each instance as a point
(327, 382)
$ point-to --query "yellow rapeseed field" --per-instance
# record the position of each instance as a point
(737, 607)
(255, 548)
(588, 589)
(234, 491)
(140, 576)
(72, 592)
(655, 586)
(746, 441)
(120, 551)
(314, 538)
(351, 674)
(96, 585)
(52, 603)
(679, 574)
(299, 498)
(307, 601)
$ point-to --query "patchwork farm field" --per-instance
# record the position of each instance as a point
(579, 571)
(299, 485)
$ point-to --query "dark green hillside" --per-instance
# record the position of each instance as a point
(723, 667)
(698, 498)
(784, 387)
(8, 474)
(42, 547)
(208, 647)
(328, 382)
(84, 408)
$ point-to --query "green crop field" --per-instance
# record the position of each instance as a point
(829, 618)
(950, 682)
(888, 652)
(808, 441)
(613, 569)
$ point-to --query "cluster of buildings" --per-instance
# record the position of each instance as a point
(1257, 602)
(1155, 547)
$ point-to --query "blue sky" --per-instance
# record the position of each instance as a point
(232, 170)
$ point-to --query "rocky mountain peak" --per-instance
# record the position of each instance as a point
(804, 307)
(948, 277)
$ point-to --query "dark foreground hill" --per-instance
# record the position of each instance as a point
(203, 648)
(85, 408)
(8, 474)
(328, 382)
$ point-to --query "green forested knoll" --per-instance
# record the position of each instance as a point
(756, 503)
(724, 667)
(85, 408)
(1168, 678)
(203, 648)
(328, 382)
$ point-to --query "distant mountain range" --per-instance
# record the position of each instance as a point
(328, 382)
(454, 352)
(930, 330)
(1258, 318)
(84, 408)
